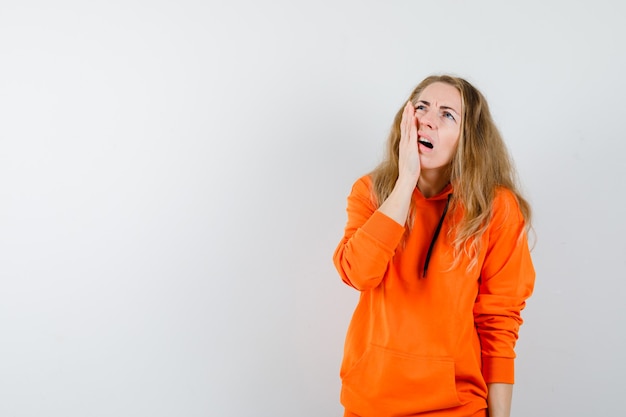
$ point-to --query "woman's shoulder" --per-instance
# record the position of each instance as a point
(506, 207)
(504, 196)
(365, 180)
(363, 184)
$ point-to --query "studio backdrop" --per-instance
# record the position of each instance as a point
(173, 183)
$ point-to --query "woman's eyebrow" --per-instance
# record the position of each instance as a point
(449, 108)
(441, 107)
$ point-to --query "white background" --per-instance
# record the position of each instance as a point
(173, 182)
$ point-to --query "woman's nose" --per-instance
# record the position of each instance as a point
(427, 119)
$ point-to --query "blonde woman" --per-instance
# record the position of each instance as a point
(436, 243)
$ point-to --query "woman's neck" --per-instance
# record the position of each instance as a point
(432, 182)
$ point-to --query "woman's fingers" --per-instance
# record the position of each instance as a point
(407, 116)
(413, 127)
(409, 124)
(408, 163)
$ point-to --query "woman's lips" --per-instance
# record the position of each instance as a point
(426, 143)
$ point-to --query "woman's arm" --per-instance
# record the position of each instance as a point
(506, 281)
(369, 242)
(372, 235)
(499, 399)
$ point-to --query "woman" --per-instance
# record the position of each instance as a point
(436, 243)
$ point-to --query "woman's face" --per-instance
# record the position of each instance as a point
(438, 110)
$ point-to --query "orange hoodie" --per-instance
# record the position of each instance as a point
(429, 345)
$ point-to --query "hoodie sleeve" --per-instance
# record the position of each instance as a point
(507, 280)
(369, 242)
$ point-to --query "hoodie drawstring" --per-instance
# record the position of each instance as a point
(436, 235)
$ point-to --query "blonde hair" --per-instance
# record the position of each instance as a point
(481, 164)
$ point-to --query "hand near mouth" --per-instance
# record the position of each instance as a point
(408, 163)
(398, 203)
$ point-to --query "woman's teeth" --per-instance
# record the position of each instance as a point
(426, 143)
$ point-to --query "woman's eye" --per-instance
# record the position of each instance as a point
(420, 107)
(449, 115)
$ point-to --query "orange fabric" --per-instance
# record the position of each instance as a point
(481, 413)
(427, 346)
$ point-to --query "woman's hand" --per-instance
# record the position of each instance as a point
(397, 205)
(409, 161)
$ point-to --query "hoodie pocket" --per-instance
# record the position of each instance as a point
(386, 382)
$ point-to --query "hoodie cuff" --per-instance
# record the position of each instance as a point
(499, 370)
(384, 229)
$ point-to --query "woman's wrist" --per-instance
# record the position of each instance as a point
(405, 183)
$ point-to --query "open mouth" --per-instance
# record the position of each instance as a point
(425, 143)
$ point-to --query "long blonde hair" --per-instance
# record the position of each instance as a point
(480, 165)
